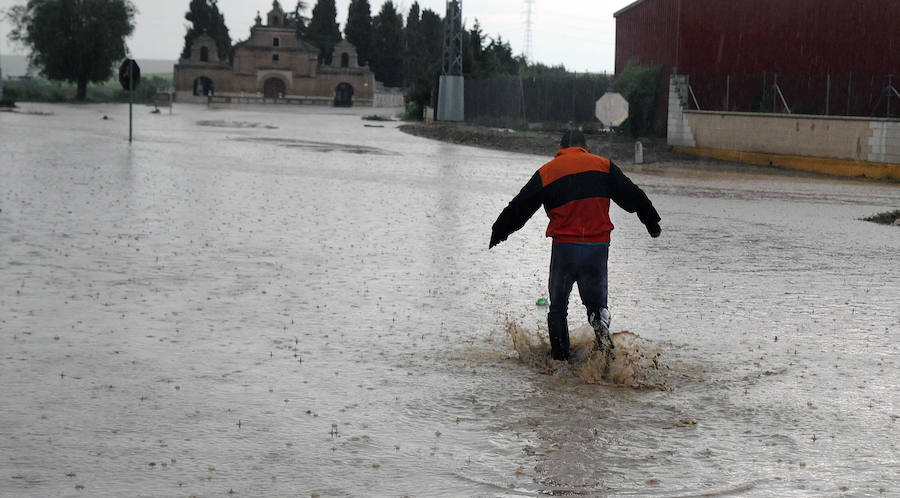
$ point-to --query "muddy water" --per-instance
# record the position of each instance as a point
(290, 303)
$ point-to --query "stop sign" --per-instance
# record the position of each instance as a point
(611, 109)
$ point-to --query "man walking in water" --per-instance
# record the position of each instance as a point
(575, 189)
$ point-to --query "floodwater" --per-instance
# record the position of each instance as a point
(287, 302)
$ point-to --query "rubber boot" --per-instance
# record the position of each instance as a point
(559, 337)
(600, 322)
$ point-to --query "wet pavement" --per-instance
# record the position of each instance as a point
(285, 302)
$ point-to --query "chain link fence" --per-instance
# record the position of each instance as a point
(559, 100)
(841, 94)
(521, 101)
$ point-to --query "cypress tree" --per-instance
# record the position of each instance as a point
(426, 42)
(299, 19)
(413, 46)
(205, 17)
(387, 61)
(359, 29)
(433, 36)
(323, 30)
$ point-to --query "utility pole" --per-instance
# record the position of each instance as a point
(453, 39)
(451, 102)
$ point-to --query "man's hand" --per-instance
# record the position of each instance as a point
(495, 239)
(654, 230)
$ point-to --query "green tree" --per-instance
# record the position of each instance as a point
(387, 38)
(358, 29)
(484, 61)
(638, 83)
(540, 69)
(498, 58)
(205, 17)
(299, 20)
(413, 45)
(323, 30)
(433, 35)
(79, 41)
(473, 50)
(424, 50)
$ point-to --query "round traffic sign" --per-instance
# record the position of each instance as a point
(129, 74)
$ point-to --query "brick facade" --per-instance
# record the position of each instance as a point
(274, 65)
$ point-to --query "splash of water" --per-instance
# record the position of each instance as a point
(636, 362)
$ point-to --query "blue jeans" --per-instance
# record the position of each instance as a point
(571, 263)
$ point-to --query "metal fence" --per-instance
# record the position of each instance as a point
(516, 101)
(843, 94)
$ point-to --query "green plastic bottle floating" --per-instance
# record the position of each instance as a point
(542, 302)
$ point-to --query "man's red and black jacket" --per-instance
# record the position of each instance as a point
(575, 189)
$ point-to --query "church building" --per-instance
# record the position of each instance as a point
(273, 66)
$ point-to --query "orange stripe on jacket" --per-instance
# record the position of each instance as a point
(569, 162)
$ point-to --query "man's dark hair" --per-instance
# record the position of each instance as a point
(572, 138)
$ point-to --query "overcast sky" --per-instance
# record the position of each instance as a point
(577, 33)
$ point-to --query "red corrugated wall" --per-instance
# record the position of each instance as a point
(801, 40)
(647, 31)
(811, 36)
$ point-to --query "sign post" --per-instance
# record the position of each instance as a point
(611, 109)
(130, 77)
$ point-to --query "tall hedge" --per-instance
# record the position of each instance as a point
(638, 83)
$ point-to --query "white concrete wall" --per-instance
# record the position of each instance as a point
(788, 134)
(885, 141)
(388, 99)
(834, 137)
(188, 97)
(679, 130)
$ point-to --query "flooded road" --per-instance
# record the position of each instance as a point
(290, 303)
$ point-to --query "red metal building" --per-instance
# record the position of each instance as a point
(830, 56)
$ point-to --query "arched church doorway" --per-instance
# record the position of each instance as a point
(343, 95)
(273, 88)
(203, 87)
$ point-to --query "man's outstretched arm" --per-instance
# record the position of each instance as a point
(632, 199)
(519, 210)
